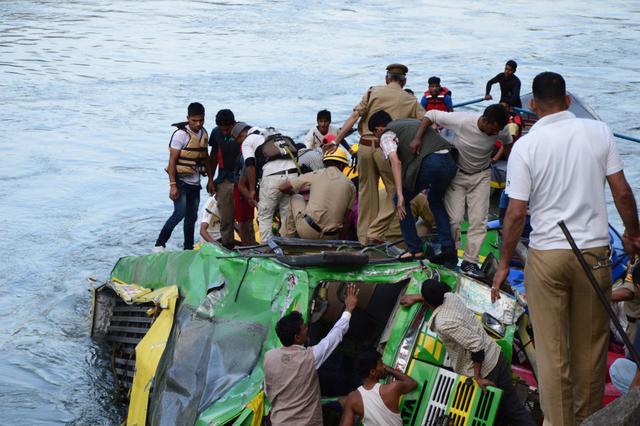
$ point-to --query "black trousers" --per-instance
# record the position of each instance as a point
(511, 410)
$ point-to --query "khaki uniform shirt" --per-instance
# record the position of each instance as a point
(331, 196)
(391, 98)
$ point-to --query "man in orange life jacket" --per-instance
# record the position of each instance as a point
(188, 160)
(437, 97)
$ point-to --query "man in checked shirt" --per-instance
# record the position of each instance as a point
(473, 353)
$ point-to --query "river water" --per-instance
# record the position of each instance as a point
(89, 89)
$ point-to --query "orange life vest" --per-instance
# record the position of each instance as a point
(437, 102)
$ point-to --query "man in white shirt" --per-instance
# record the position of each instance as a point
(273, 172)
(376, 404)
(210, 221)
(317, 134)
(559, 170)
(475, 137)
(290, 372)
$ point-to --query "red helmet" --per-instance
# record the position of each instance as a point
(329, 138)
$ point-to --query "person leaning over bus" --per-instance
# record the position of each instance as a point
(472, 351)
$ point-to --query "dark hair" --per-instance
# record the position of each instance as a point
(433, 291)
(333, 163)
(497, 114)
(323, 114)
(379, 119)
(288, 326)
(434, 80)
(511, 63)
(549, 88)
(301, 146)
(195, 108)
(366, 361)
(396, 76)
(409, 91)
(225, 117)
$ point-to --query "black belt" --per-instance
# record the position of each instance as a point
(316, 227)
(631, 319)
(284, 172)
(473, 173)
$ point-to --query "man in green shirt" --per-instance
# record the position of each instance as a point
(431, 168)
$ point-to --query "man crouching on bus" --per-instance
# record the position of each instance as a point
(473, 353)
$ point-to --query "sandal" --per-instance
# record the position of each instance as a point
(407, 256)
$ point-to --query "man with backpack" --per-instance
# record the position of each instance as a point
(270, 158)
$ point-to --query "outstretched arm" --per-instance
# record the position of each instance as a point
(211, 188)
(487, 91)
(511, 231)
(404, 383)
(286, 187)
(326, 346)
(416, 142)
(351, 408)
(174, 192)
(345, 129)
(411, 299)
(252, 178)
(626, 205)
(396, 170)
(204, 234)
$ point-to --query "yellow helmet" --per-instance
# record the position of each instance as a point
(338, 155)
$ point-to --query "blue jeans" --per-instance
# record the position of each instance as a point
(436, 171)
(185, 207)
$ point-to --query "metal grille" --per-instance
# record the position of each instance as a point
(461, 402)
(127, 326)
(483, 409)
(439, 397)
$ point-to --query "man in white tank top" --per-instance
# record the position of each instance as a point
(374, 403)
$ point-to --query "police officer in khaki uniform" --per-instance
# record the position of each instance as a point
(374, 214)
(330, 199)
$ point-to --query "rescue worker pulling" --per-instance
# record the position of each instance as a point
(331, 196)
